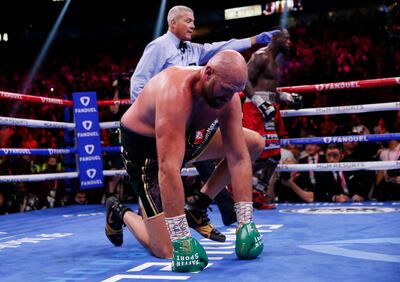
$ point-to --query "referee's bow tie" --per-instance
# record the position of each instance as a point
(182, 46)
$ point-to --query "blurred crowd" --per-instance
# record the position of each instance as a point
(337, 48)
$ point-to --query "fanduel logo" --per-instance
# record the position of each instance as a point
(17, 151)
(91, 173)
(89, 149)
(341, 139)
(87, 124)
(85, 100)
(337, 85)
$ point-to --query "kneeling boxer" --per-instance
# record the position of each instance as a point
(156, 131)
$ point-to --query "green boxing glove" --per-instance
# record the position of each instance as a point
(188, 256)
(248, 242)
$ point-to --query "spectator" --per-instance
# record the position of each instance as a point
(338, 186)
(294, 187)
(50, 191)
(327, 126)
(3, 209)
(380, 127)
(30, 142)
(80, 198)
(396, 124)
(312, 156)
(115, 161)
(388, 181)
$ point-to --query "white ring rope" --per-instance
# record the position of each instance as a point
(35, 123)
(379, 107)
(109, 124)
(350, 109)
(50, 124)
(37, 177)
(343, 166)
(393, 106)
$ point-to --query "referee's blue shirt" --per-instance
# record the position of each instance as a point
(164, 52)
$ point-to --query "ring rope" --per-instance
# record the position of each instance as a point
(109, 124)
(344, 166)
(55, 101)
(34, 99)
(54, 176)
(50, 124)
(349, 109)
(283, 142)
(341, 139)
(391, 106)
(51, 151)
(36, 152)
(114, 102)
(313, 140)
(35, 123)
(38, 177)
(366, 83)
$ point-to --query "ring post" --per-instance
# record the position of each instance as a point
(88, 140)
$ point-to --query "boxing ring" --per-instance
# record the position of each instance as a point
(303, 242)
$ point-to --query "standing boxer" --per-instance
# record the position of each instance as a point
(262, 113)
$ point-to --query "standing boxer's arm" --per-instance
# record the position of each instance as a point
(172, 112)
(255, 66)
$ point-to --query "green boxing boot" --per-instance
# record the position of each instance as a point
(188, 256)
(248, 242)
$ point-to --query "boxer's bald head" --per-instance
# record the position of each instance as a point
(225, 74)
(231, 67)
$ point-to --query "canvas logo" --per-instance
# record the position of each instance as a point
(89, 149)
(87, 124)
(91, 172)
(342, 210)
(353, 248)
(85, 100)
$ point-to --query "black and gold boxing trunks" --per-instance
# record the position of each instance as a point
(140, 157)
